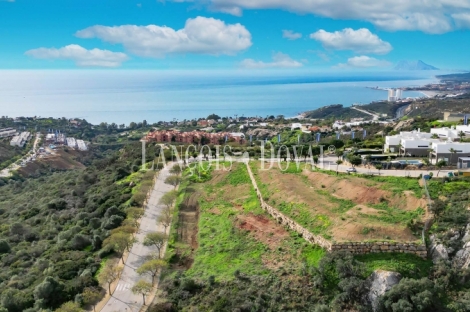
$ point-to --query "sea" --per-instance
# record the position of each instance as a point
(123, 96)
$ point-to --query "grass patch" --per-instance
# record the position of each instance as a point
(343, 205)
(300, 212)
(393, 215)
(406, 264)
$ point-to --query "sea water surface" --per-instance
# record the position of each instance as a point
(122, 96)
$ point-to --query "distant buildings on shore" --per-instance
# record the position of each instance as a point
(7, 132)
(439, 144)
(61, 138)
(194, 137)
(21, 139)
(394, 95)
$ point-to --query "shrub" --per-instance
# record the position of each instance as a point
(4, 247)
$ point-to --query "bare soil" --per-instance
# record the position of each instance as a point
(187, 230)
(315, 190)
(263, 229)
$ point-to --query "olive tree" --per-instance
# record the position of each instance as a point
(156, 239)
(151, 267)
(109, 274)
(143, 288)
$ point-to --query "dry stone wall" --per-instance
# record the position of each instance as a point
(351, 247)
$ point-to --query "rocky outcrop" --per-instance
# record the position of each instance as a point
(462, 257)
(378, 283)
(437, 250)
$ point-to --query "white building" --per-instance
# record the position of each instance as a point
(296, 126)
(21, 139)
(443, 151)
(394, 95)
(451, 133)
(81, 145)
(415, 143)
(7, 132)
(71, 142)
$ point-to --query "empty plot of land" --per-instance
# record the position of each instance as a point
(343, 208)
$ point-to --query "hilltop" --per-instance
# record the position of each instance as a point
(414, 65)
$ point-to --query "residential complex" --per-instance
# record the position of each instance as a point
(440, 144)
(21, 139)
(7, 132)
(194, 137)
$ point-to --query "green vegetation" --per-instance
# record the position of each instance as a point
(58, 227)
(405, 264)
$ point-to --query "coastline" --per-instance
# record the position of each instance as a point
(429, 94)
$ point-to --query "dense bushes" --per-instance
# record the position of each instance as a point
(54, 226)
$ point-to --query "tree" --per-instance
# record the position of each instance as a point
(156, 239)
(49, 291)
(173, 180)
(119, 242)
(151, 267)
(142, 287)
(425, 161)
(91, 296)
(315, 159)
(461, 135)
(165, 218)
(124, 229)
(4, 246)
(135, 213)
(453, 152)
(434, 136)
(168, 199)
(379, 167)
(441, 163)
(411, 295)
(109, 274)
(338, 162)
(176, 169)
(339, 153)
(355, 160)
(70, 307)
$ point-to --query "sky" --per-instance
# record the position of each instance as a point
(233, 34)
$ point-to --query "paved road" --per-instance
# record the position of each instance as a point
(329, 163)
(374, 116)
(123, 299)
(7, 171)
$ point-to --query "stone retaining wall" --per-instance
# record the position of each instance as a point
(351, 247)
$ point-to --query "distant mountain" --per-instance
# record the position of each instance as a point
(414, 65)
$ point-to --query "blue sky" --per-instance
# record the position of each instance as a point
(233, 34)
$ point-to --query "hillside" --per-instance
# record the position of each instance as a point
(435, 108)
(336, 111)
(226, 253)
(464, 77)
(53, 227)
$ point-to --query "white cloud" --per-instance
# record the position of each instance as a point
(289, 34)
(80, 55)
(363, 61)
(462, 20)
(280, 60)
(430, 16)
(361, 41)
(200, 35)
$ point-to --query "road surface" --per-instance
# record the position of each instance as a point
(123, 299)
(7, 171)
(374, 116)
